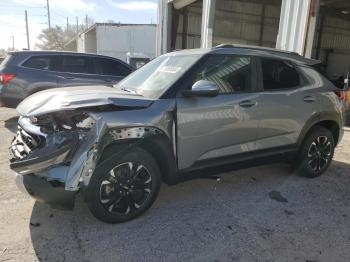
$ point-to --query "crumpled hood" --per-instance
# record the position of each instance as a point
(69, 98)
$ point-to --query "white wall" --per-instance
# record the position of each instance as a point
(90, 42)
(293, 25)
(81, 43)
(116, 41)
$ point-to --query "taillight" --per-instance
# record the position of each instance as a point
(6, 77)
(341, 94)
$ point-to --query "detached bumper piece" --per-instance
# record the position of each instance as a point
(43, 158)
(50, 192)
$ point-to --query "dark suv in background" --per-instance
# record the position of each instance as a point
(26, 72)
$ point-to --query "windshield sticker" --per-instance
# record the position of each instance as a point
(170, 69)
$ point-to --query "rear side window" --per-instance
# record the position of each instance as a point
(232, 73)
(111, 67)
(279, 74)
(38, 62)
(77, 64)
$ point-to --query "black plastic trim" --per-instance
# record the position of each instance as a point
(50, 192)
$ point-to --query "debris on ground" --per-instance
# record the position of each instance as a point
(289, 213)
(35, 224)
(275, 195)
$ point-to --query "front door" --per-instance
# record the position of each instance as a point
(218, 127)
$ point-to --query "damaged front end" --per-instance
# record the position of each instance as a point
(53, 153)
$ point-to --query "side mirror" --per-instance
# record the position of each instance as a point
(346, 84)
(347, 81)
(202, 88)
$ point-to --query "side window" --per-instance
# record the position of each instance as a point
(38, 62)
(278, 74)
(77, 64)
(111, 67)
(232, 73)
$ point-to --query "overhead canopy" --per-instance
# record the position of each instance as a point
(178, 4)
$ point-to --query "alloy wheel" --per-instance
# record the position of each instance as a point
(319, 153)
(125, 188)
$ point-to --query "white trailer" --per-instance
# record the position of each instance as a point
(116, 40)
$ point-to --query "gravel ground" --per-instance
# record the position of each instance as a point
(234, 218)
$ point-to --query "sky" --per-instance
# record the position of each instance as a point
(12, 22)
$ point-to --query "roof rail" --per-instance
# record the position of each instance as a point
(252, 47)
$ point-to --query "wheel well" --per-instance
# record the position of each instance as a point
(159, 146)
(161, 149)
(331, 126)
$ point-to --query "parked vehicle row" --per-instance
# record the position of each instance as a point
(27, 72)
(184, 113)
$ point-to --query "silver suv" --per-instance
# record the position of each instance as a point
(186, 113)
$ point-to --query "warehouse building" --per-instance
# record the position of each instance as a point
(313, 28)
(117, 40)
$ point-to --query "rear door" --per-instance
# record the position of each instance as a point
(286, 103)
(77, 70)
(33, 74)
(213, 128)
(110, 71)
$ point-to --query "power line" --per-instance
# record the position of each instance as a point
(18, 6)
(19, 14)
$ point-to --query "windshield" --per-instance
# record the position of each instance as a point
(154, 78)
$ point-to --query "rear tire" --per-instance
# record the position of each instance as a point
(123, 187)
(316, 152)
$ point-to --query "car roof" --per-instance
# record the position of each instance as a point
(250, 50)
(48, 52)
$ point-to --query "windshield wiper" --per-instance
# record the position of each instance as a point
(128, 90)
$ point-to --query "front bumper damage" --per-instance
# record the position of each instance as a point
(52, 167)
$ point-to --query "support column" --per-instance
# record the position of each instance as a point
(297, 26)
(163, 28)
(208, 13)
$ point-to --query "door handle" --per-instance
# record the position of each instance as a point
(67, 77)
(248, 103)
(309, 99)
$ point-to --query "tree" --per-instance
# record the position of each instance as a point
(52, 39)
(57, 38)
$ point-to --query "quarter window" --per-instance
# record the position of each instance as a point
(232, 73)
(112, 68)
(279, 74)
(38, 62)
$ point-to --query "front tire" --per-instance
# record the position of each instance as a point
(316, 153)
(123, 187)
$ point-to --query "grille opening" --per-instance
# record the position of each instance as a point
(24, 143)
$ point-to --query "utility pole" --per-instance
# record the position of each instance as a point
(48, 13)
(77, 25)
(27, 29)
(13, 43)
(67, 24)
(86, 21)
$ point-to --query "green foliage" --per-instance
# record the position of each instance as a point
(53, 39)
